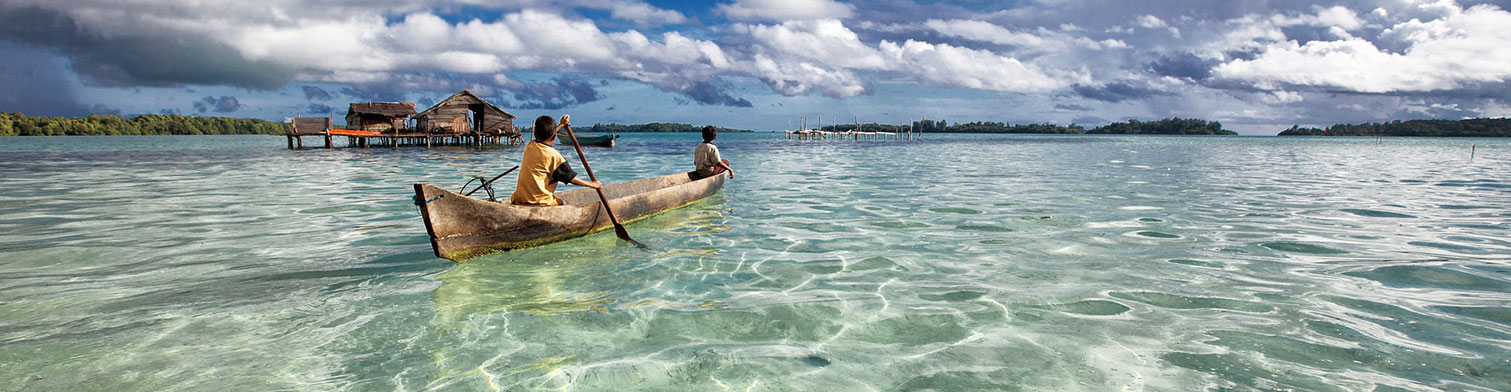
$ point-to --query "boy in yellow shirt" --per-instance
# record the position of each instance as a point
(542, 167)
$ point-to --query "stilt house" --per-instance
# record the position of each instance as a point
(383, 117)
(465, 113)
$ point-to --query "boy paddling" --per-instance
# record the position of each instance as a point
(542, 167)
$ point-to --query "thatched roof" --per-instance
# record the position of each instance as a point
(465, 98)
(390, 109)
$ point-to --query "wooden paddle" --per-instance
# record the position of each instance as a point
(618, 228)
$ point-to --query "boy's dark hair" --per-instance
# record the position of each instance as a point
(545, 128)
(709, 132)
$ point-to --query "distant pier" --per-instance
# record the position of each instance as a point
(462, 119)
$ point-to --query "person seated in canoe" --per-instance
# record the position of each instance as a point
(543, 167)
(706, 157)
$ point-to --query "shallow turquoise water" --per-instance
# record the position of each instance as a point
(963, 262)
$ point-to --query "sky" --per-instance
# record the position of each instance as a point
(1257, 66)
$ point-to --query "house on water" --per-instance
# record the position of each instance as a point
(464, 113)
(382, 117)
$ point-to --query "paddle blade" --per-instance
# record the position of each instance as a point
(625, 235)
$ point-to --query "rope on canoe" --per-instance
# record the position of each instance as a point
(418, 202)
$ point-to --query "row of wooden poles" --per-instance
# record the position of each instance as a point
(856, 134)
(413, 140)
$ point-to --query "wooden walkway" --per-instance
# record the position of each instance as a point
(364, 139)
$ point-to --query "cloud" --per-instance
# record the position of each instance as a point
(786, 10)
(1183, 65)
(35, 83)
(1115, 92)
(100, 108)
(224, 104)
(314, 93)
(1461, 49)
(559, 93)
(953, 66)
(1042, 39)
(710, 94)
(145, 57)
(644, 14)
(319, 108)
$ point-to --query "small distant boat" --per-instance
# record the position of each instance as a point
(592, 140)
(461, 228)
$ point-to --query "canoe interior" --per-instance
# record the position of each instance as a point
(462, 227)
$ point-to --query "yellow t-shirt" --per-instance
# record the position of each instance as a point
(534, 186)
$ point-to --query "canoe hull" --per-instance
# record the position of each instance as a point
(594, 140)
(461, 228)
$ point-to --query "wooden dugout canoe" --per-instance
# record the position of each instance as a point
(592, 140)
(461, 228)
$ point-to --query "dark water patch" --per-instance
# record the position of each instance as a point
(1483, 227)
(393, 240)
(953, 210)
(873, 263)
(1198, 263)
(1376, 213)
(355, 272)
(954, 296)
(1246, 372)
(959, 380)
(1286, 349)
(1463, 207)
(1172, 301)
(1156, 234)
(1422, 327)
(998, 241)
(1421, 276)
(822, 267)
(824, 228)
(1299, 247)
(815, 361)
(332, 209)
(1495, 314)
(1091, 307)
(1448, 247)
(912, 330)
(985, 228)
(1151, 220)
(899, 224)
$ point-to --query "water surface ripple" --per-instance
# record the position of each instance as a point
(958, 263)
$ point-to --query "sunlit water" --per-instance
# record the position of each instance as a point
(957, 263)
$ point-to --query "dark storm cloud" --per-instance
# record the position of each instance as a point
(314, 93)
(1072, 107)
(32, 82)
(223, 104)
(100, 108)
(1183, 65)
(316, 108)
(712, 94)
(1115, 92)
(141, 59)
(558, 93)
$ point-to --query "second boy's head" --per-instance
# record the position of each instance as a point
(709, 133)
(545, 128)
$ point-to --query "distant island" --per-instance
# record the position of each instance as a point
(652, 127)
(1474, 127)
(17, 124)
(1169, 126)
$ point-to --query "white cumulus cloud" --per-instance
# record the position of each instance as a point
(786, 10)
(1463, 48)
